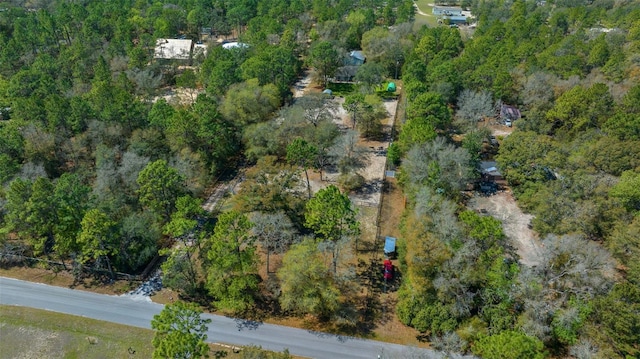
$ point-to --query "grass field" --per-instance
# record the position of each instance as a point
(27, 333)
(341, 88)
(31, 333)
(425, 6)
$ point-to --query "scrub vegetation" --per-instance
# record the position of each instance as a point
(101, 174)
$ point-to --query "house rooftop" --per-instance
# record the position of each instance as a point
(173, 49)
(447, 8)
(490, 167)
(358, 55)
(456, 18)
(234, 45)
(510, 112)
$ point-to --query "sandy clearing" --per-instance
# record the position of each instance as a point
(179, 96)
(375, 158)
(500, 132)
(420, 11)
(515, 224)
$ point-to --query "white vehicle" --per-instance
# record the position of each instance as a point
(507, 122)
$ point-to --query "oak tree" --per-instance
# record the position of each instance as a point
(307, 284)
(274, 231)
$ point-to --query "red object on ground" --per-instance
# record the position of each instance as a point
(388, 269)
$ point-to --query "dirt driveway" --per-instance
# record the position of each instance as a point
(515, 224)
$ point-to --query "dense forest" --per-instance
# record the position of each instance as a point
(93, 166)
(100, 173)
(572, 161)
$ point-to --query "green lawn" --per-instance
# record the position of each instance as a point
(428, 19)
(33, 333)
(424, 5)
(341, 89)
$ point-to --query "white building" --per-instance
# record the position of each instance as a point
(173, 49)
(234, 45)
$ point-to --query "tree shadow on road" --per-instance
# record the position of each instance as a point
(247, 324)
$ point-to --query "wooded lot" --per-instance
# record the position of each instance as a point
(107, 149)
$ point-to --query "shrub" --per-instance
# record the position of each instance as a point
(394, 154)
(509, 345)
(350, 181)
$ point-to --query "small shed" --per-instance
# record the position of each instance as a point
(490, 169)
(509, 112)
(328, 93)
(391, 87)
(389, 246)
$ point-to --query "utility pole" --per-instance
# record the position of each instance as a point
(397, 64)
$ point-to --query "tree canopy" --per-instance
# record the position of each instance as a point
(103, 159)
(180, 332)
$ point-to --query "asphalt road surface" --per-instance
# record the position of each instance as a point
(139, 311)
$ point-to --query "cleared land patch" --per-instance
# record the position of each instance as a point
(27, 333)
(31, 333)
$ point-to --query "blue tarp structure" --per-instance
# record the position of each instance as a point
(389, 245)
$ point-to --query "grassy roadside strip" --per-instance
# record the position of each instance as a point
(34, 333)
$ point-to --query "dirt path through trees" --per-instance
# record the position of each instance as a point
(515, 224)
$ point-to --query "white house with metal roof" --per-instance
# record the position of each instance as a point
(173, 49)
(447, 10)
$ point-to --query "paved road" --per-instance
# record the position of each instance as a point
(138, 312)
